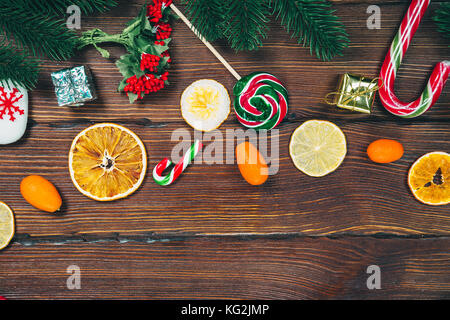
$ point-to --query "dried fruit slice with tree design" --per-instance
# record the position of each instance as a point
(429, 178)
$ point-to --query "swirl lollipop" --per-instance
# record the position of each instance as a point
(261, 100)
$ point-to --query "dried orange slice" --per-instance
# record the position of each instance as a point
(107, 162)
(429, 178)
(6, 225)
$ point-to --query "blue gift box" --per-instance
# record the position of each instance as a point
(74, 86)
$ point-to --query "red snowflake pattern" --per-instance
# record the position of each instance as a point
(7, 102)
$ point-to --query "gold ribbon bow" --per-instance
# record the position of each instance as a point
(349, 98)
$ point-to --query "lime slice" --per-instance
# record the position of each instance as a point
(317, 147)
(6, 225)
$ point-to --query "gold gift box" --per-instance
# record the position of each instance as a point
(356, 93)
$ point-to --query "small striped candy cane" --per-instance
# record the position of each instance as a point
(393, 60)
(179, 167)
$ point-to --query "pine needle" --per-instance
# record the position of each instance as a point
(442, 19)
(313, 23)
(17, 66)
(207, 16)
(30, 29)
(36, 33)
(245, 23)
(59, 7)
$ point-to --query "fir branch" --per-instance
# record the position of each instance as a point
(36, 33)
(442, 18)
(59, 7)
(17, 66)
(207, 16)
(245, 23)
(314, 24)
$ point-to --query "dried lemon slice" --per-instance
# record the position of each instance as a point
(6, 225)
(429, 178)
(107, 162)
(317, 147)
(205, 105)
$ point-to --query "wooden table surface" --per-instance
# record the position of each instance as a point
(211, 235)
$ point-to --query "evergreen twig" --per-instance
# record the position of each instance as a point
(59, 7)
(314, 24)
(442, 18)
(17, 66)
(245, 23)
(30, 29)
(207, 16)
(33, 31)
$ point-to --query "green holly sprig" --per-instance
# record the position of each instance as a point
(145, 36)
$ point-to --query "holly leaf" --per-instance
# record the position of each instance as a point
(127, 64)
(103, 52)
(169, 14)
(147, 25)
(132, 97)
(136, 26)
(139, 73)
(163, 65)
(145, 45)
(142, 44)
(122, 85)
(157, 49)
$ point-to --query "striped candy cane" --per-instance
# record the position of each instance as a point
(393, 60)
(178, 169)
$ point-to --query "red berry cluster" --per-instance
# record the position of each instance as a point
(145, 84)
(155, 14)
(163, 31)
(149, 62)
(166, 54)
(151, 82)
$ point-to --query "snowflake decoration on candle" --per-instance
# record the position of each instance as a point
(7, 102)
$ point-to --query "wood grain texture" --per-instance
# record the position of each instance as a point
(307, 79)
(359, 198)
(295, 237)
(223, 268)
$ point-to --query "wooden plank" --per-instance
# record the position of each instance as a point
(307, 79)
(360, 197)
(128, 248)
(292, 268)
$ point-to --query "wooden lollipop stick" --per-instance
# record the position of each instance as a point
(207, 44)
